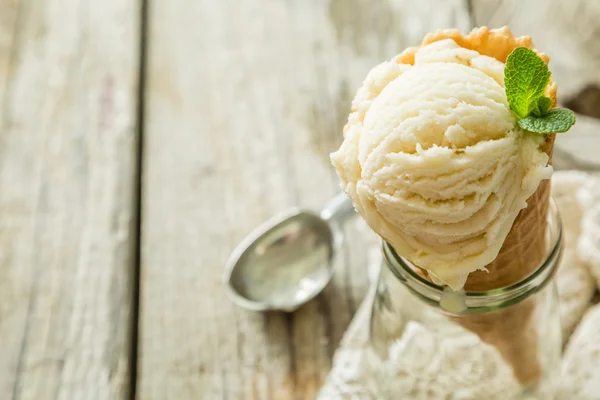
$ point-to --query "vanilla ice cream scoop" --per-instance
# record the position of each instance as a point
(434, 161)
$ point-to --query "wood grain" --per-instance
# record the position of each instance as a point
(245, 101)
(68, 76)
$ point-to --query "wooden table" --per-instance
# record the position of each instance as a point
(141, 140)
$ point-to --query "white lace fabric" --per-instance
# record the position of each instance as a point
(415, 365)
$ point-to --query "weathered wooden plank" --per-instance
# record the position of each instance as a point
(8, 20)
(68, 78)
(245, 101)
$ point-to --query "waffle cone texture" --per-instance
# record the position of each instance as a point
(511, 330)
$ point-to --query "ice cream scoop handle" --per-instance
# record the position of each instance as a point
(338, 209)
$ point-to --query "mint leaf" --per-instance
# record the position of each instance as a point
(525, 79)
(554, 121)
(541, 106)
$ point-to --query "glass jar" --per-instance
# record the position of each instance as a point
(428, 342)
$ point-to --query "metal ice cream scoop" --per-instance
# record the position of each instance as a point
(287, 260)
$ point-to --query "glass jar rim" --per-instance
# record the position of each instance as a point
(484, 301)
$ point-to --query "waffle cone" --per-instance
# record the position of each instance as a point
(511, 330)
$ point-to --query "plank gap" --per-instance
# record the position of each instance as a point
(137, 220)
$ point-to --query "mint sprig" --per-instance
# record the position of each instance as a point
(525, 79)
